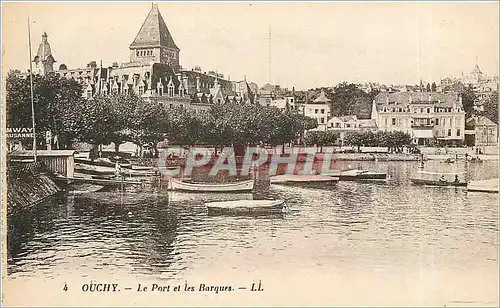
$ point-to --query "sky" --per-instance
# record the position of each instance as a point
(312, 44)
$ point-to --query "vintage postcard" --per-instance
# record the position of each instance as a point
(250, 154)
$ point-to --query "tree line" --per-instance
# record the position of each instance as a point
(117, 118)
(394, 141)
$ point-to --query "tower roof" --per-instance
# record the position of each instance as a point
(476, 69)
(322, 98)
(44, 51)
(154, 32)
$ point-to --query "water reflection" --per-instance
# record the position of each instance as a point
(383, 226)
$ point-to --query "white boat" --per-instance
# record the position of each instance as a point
(251, 207)
(176, 184)
(359, 174)
(291, 179)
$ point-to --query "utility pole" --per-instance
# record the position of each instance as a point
(270, 55)
(31, 92)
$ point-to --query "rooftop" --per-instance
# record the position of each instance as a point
(154, 32)
(403, 98)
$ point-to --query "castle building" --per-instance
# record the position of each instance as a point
(427, 116)
(153, 72)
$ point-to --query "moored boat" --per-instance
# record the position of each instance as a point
(247, 207)
(176, 184)
(359, 174)
(109, 171)
(304, 180)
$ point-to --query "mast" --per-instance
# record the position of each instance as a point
(31, 92)
(270, 55)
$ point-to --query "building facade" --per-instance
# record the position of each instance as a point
(484, 130)
(319, 109)
(153, 72)
(429, 117)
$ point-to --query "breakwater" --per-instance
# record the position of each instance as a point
(28, 184)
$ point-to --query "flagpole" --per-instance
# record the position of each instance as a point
(31, 92)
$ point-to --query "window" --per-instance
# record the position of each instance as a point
(218, 100)
(458, 132)
(323, 111)
(385, 121)
(449, 132)
(415, 110)
(428, 110)
(450, 122)
(348, 125)
(437, 121)
(315, 110)
(322, 120)
(399, 109)
(171, 106)
(385, 109)
(337, 125)
(89, 93)
(141, 90)
(393, 121)
(421, 110)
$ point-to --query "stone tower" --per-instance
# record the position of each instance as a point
(154, 43)
(44, 61)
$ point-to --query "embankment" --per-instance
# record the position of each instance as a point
(28, 184)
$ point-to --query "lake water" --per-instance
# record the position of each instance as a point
(386, 243)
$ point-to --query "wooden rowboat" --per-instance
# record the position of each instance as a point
(304, 180)
(431, 178)
(109, 171)
(176, 184)
(247, 207)
(437, 182)
(357, 174)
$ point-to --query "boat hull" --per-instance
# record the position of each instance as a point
(437, 183)
(247, 207)
(175, 184)
(110, 171)
(313, 181)
(354, 175)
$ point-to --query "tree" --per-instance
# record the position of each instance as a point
(315, 138)
(354, 139)
(433, 87)
(348, 99)
(56, 101)
(428, 88)
(491, 107)
(109, 118)
(468, 100)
